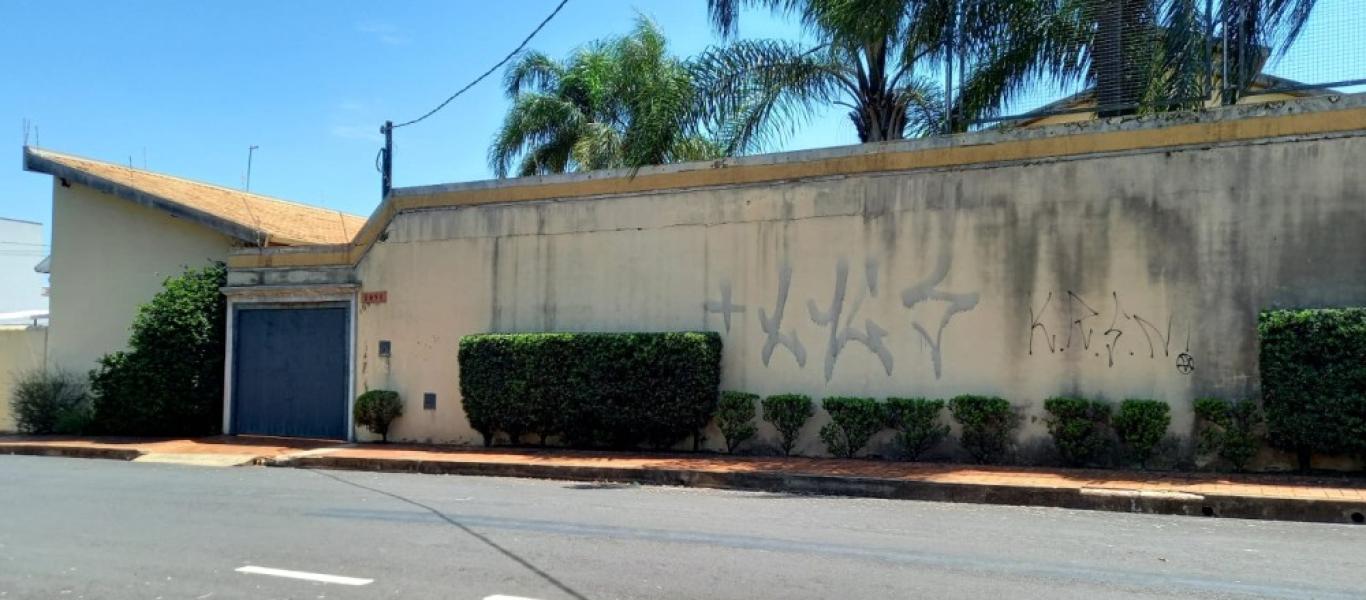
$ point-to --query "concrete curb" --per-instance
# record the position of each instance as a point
(71, 451)
(1107, 499)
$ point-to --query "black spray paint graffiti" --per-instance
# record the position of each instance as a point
(870, 336)
(1077, 311)
(840, 315)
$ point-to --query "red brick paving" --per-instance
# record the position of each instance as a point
(1347, 487)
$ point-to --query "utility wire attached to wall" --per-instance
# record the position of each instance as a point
(386, 157)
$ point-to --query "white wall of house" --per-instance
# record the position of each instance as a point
(109, 256)
(21, 248)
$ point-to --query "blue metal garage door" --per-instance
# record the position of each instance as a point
(290, 371)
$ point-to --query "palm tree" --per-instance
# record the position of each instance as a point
(1140, 55)
(880, 59)
(618, 102)
(872, 57)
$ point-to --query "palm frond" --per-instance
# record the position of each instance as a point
(752, 89)
(534, 120)
(532, 71)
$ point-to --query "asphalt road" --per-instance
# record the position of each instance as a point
(74, 528)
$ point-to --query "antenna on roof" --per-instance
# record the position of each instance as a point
(250, 150)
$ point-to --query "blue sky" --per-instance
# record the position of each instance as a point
(186, 87)
(193, 84)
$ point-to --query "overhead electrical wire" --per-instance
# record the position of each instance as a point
(490, 71)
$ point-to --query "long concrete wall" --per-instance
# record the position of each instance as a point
(1122, 275)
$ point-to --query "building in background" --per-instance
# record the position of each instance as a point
(23, 306)
(22, 286)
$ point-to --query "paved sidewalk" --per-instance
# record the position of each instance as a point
(1285, 497)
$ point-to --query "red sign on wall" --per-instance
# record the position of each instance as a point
(379, 297)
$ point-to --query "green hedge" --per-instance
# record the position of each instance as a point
(853, 421)
(988, 426)
(1313, 365)
(735, 418)
(617, 390)
(916, 421)
(1080, 429)
(376, 409)
(1141, 424)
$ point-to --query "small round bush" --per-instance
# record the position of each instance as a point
(55, 402)
(376, 409)
(916, 421)
(788, 413)
(735, 418)
(853, 421)
(1080, 429)
(1230, 430)
(1141, 424)
(988, 426)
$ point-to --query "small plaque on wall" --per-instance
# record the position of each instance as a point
(377, 297)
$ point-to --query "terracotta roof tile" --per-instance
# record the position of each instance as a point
(283, 222)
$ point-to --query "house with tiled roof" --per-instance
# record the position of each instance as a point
(119, 232)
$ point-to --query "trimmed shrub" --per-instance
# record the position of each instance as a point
(170, 380)
(55, 402)
(617, 390)
(1141, 424)
(853, 421)
(916, 421)
(376, 409)
(1230, 430)
(1080, 429)
(988, 425)
(1313, 365)
(735, 418)
(788, 413)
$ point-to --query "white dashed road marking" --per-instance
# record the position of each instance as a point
(502, 597)
(320, 577)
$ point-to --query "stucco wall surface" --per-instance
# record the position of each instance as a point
(109, 256)
(21, 351)
(1134, 275)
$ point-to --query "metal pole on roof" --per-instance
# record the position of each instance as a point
(250, 151)
(386, 167)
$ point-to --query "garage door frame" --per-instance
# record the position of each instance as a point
(278, 298)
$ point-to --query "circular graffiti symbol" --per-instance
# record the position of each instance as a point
(1185, 363)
